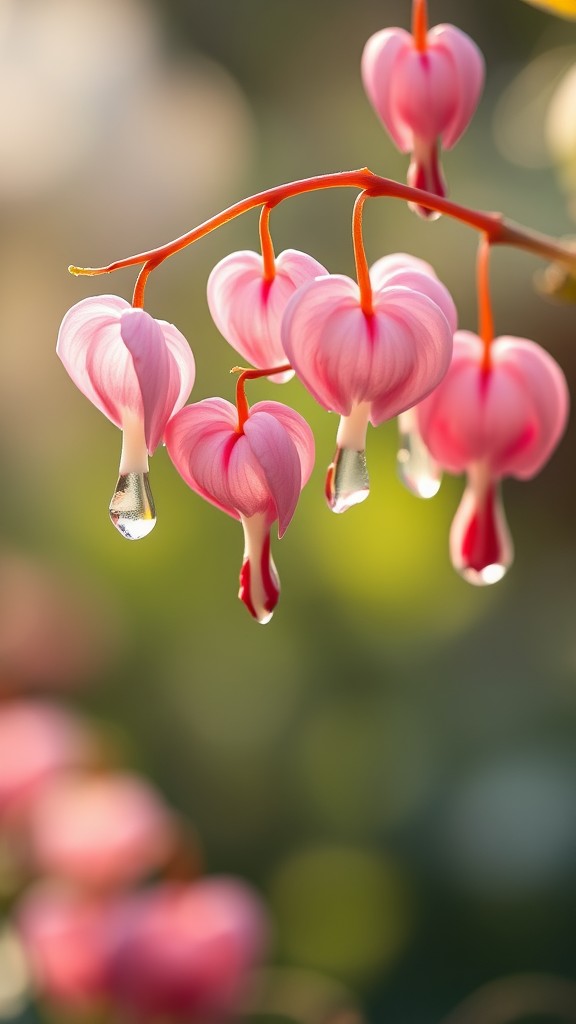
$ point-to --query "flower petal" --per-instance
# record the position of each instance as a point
(420, 278)
(297, 428)
(277, 454)
(468, 64)
(382, 55)
(199, 439)
(183, 357)
(88, 340)
(155, 371)
(124, 360)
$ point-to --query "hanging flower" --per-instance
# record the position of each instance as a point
(247, 306)
(368, 367)
(253, 469)
(425, 93)
(138, 371)
(491, 422)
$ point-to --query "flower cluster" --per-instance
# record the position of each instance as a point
(382, 346)
(86, 843)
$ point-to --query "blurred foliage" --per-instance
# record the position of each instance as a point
(565, 8)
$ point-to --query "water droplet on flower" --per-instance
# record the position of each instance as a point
(418, 471)
(347, 481)
(132, 506)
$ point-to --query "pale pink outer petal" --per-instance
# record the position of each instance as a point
(156, 373)
(248, 310)
(420, 357)
(326, 338)
(199, 439)
(423, 92)
(394, 261)
(181, 353)
(468, 64)
(298, 267)
(345, 357)
(122, 359)
(91, 326)
(299, 431)
(258, 471)
(380, 60)
(419, 280)
(277, 454)
(512, 418)
(531, 368)
(449, 419)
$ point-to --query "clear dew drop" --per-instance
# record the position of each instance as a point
(347, 481)
(132, 506)
(418, 471)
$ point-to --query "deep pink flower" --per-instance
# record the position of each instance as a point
(248, 309)
(254, 472)
(423, 97)
(491, 423)
(65, 936)
(186, 951)
(100, 830)
(138, 371)
(368, 367)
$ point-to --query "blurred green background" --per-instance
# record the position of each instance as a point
(392, 760)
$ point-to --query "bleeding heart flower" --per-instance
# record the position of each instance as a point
(100, 830)
(138, 371)
(64, 933)
(504, 420)
(368, 367)
(247, 307)
(254, 471)
(186, 952)
(40, 740)
(423, 96)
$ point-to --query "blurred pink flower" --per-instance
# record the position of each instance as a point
(38, 740)
(186, 951)
(368, 367)
(101, 830)
(54, 633)
(65, 935)
(503, 420)
(248, 309)
(423, 96)
(254, 472)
